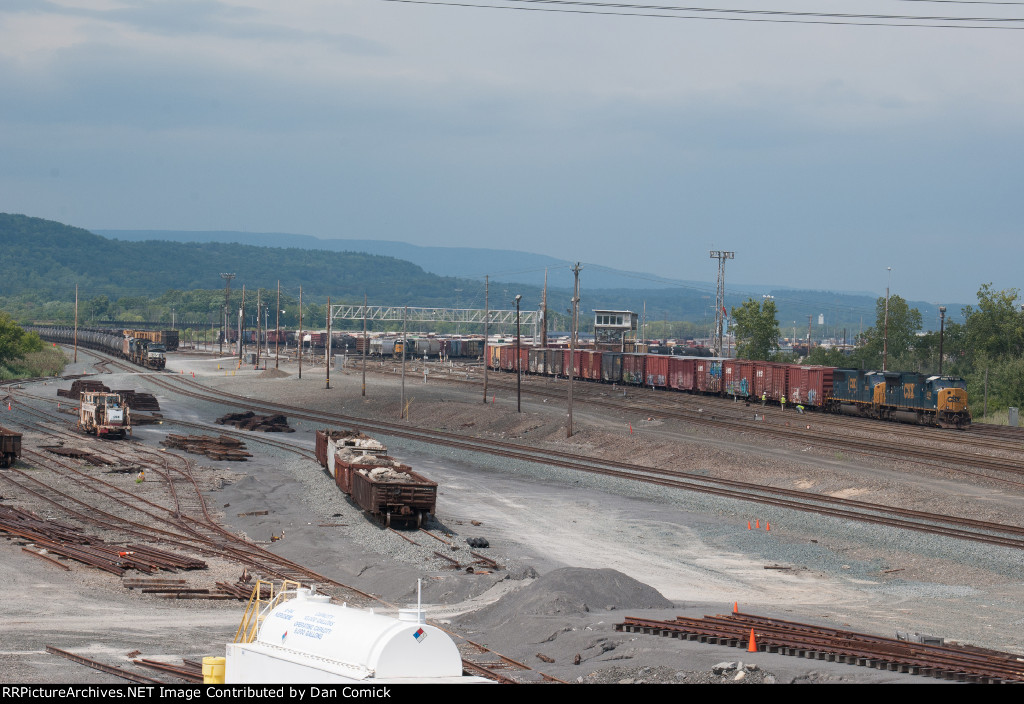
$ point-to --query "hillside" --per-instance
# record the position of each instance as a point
(44, 260)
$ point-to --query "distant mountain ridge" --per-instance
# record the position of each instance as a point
(47, 259)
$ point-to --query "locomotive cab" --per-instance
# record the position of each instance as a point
(950, 397)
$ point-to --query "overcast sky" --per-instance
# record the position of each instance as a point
(821, 154)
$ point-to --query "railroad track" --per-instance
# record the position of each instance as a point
(961, 663)
(188, 526)
(183, 521)
(829, 433)
(850, 509)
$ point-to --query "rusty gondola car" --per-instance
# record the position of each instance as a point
(388, 490)
(10, 447)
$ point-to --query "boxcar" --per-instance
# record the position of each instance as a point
(738, 378)
(656, 370)
(611, 367)
(681, 373)
(809, 386)
(554, 361)
(572, 365)
(633, 368)
(770, 380)
(537, 361)
(590, 364)
(708, 375)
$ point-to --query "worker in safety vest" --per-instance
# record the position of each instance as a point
(800, 408)
(764, 397)
(140, 476)
(783, 402)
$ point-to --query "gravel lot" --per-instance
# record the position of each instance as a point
(577, 550)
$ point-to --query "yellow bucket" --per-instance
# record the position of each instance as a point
(213, 670)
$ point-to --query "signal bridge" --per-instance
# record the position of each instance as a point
(435, 315)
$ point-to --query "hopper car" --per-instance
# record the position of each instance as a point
(907, 397)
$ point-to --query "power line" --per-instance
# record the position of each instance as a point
(773, 15)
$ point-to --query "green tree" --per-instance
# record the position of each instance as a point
(756, 328)
(898, 336)
(996, 327)
(15, 343)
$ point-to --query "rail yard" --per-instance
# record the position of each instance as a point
(846, 523)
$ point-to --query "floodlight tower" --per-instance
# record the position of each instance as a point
(720, 296)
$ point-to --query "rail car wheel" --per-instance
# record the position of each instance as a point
(387, 520)
(419, 519)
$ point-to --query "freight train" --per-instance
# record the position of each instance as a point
(907, 397)
(144, 352)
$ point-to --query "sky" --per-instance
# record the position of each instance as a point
(821, 154)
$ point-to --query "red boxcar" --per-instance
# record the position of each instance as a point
(681, 373)
(573, 369)
(508, 358)
(738, 377)
(656, 370)
(809, 386)
(633, 368)
(708, 375)
(590, 365)
(770, 379)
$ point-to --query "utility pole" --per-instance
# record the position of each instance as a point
(405, 315)
(277, 341)
(544, 313)
(720, 295)
(487, 320)
(327, 347)
(572, 340)
(942, 333)
(300, 332)
(808, 335)
(885, 338)
(366, 344)
(227, 295)
(258, 303)
(76, 322)
(519, 362)
(241, 326)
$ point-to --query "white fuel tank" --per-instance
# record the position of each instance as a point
(306, 633)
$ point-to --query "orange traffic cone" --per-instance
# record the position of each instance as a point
(752, 648)
(630, 428)
(735, 607)
(748, 525)
(767, 525)
(757, 523)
